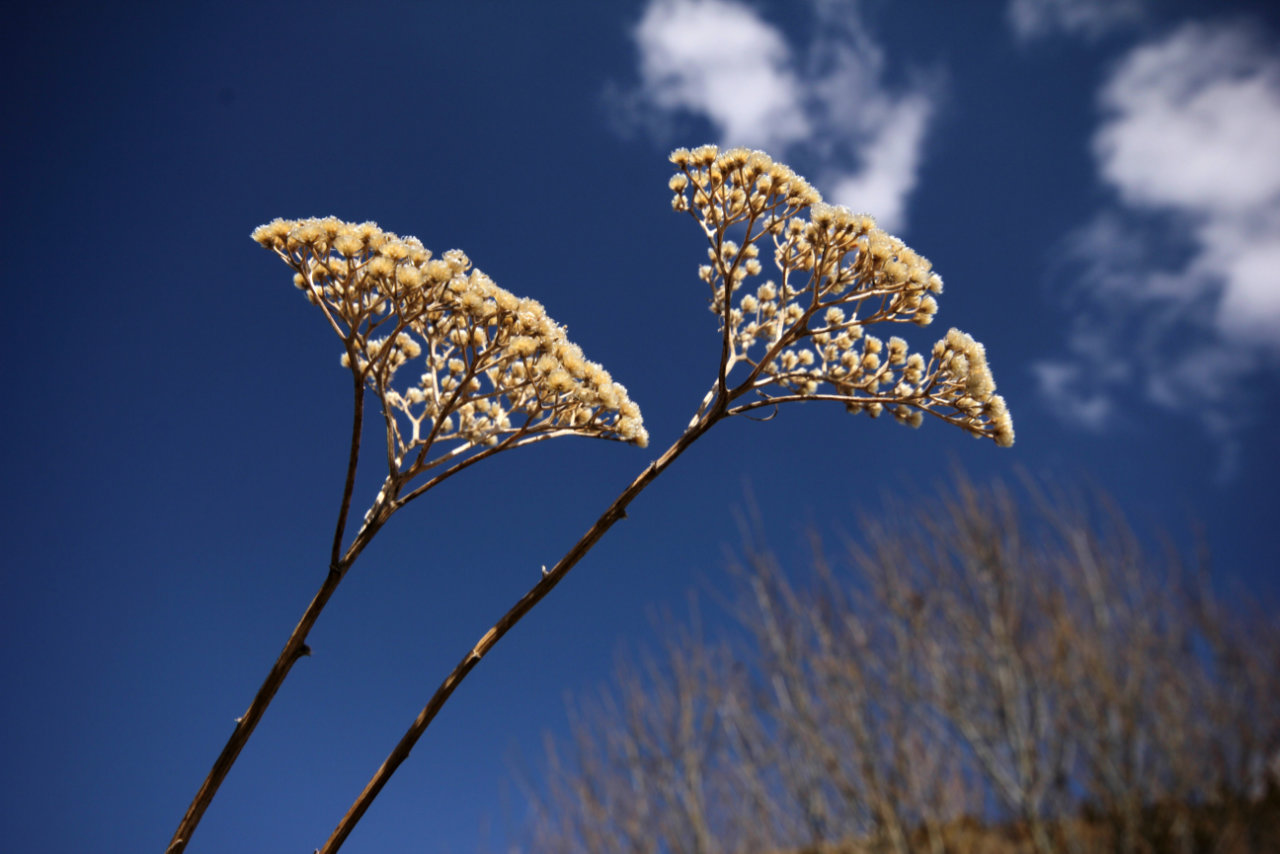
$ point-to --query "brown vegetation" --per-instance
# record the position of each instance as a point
(992, 671)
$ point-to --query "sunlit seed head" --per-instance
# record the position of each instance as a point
(703, 156)
(458, 260)
(559, 381)
(273, 233)
(409, 276)
(348, 244)
(438, 270)
(505, 300)
(523, 346)
(395, 250)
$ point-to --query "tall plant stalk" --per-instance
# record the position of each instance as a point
(501, 375)
(295, 647)
(615, 512)
(850, 274)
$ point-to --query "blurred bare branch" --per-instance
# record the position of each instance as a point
(992, 670)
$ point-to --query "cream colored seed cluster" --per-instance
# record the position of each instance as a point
(837, 274)
(495, 364)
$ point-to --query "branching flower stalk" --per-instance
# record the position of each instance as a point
(496, 373)
(798, 338)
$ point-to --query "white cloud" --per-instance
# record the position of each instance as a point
(1089, 19)
(1243, 253)
(1182, 276)
(832, 110)
(718, 58)
(1194, 122)
(1194, 129)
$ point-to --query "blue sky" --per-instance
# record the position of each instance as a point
(1096, 182)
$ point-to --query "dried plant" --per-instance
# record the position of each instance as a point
(496, 374)
(496, 367)
(976, 674)
(838, 273)
(499, 374)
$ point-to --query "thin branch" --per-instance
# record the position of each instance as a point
(353, 459)
(295, 647)
(516, 440)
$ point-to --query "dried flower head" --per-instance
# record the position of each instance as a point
(490, 367)
(837, 273)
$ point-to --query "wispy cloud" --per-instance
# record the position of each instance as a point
(1194, 128)
(1181, 275)
(832, 111)
(1090, 19)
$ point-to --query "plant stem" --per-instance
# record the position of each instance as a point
(616, 511)
(294, 648)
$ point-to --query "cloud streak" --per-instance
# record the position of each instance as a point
(1089, 19)
(721, 61)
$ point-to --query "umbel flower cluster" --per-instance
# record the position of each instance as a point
(464, 369)
(802, 335)
(489, 366)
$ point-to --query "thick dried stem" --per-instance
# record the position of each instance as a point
(616, 511)
(294, 649)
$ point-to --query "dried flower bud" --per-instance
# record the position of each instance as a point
(838, 272)
(477, 337)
